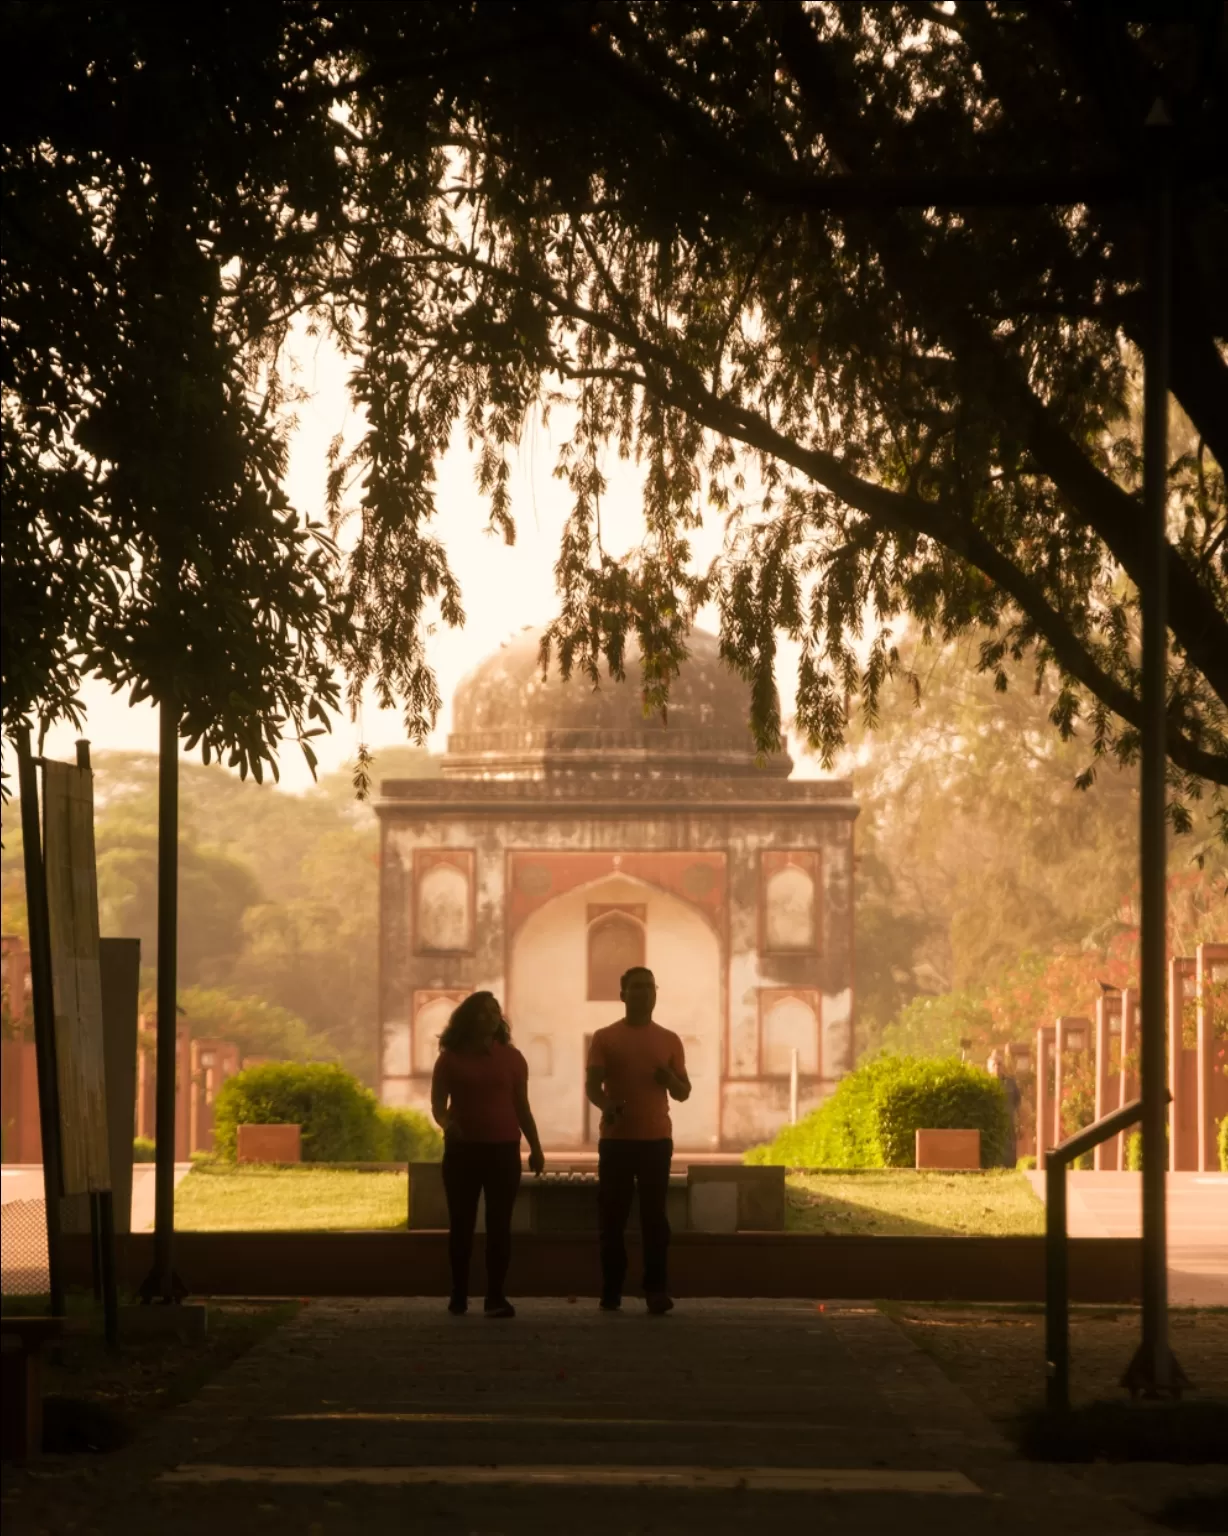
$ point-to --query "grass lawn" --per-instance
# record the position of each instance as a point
(900, 1202)
(220, 1198)
(877, 1202)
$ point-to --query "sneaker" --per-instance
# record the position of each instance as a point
(659, 1303)
(611, 1304)
(500, 1308)
(458, 1306)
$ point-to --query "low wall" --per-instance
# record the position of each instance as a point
(759, 1264)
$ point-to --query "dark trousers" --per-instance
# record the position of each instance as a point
(470, 1169)
(622, 1167)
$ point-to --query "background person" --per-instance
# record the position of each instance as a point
(634, 1067)
(997, 1067)
(480, 1100)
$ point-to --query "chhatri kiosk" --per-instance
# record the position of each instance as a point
(569, 838)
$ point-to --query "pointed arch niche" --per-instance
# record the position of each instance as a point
(790, 1019)
(443, 900)
(789, 901)
(616, 942)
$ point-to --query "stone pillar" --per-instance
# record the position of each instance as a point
(1108, 1025)
(1069, 1041)
(1183, 1110)
(1044, 1107)
(1209, 959)
(183, 1094)
(1128, 1079)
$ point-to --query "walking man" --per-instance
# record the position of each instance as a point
(634, 1068)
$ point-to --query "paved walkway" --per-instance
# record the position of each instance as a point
(723, 1417)
(24, 1181)
(1109, 1204)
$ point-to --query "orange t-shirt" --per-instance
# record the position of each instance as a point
(628, 1055)
(481, 1091)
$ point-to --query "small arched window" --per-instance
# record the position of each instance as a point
(539, 1055)
(615, 944)
(790, 912)
(790, 1023)
(429, 1023)
(443, 909)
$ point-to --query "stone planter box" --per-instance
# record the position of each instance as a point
(948, 1149)
(270, 1144)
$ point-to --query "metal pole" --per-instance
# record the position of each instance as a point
(1153, 1370)
(102, 1201)
(162, 1283)
(44, 1015)
(1057, 1321)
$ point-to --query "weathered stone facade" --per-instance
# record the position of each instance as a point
(570, 837)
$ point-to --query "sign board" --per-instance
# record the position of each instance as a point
(76, 983)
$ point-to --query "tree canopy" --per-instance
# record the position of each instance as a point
(749, 244)
(164, 218)
(922, 410)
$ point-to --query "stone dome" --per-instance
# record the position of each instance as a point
(508, 722)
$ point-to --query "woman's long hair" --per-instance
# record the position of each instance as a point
(465, 1022)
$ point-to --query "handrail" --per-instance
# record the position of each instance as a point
(1099, 1130)
(1057, 1284)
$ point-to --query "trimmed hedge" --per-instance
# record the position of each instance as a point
(872, 1118)
(342, 1121)
(143, 1149)
(1222, 1141)
(408, 1136)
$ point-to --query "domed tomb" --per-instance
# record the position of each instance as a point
(510, 722)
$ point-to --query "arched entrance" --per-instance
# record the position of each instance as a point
(562, 963)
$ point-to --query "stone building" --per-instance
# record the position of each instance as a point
(568, 838)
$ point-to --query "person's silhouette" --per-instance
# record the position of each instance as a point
(480, 1099)
(634, 1067)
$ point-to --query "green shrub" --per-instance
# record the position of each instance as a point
(339, 1117)
(872, 1118)
(408, 1136)
(1134, 1149)
(1222, 1142)
(1026, 1164)
(143, 1149)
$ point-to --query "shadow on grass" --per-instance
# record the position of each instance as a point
(806, 1211)
(1189, 1432)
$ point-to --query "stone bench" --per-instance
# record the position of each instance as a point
(736, 1198)
(21, 1383)
(712, 1198)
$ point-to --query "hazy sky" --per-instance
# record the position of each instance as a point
(503, 588)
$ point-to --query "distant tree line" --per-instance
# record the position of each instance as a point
(279, 895)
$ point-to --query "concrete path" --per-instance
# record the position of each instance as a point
(1109, 1204)
(24, 1181)
(724, 1417)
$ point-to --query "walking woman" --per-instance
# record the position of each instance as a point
(480, 1099)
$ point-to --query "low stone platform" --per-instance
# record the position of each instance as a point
(747, 1264)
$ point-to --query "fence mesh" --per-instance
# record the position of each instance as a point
(23, 1248)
